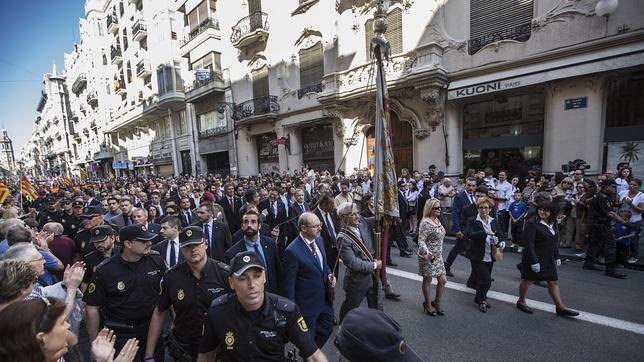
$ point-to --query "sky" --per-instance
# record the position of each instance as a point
(35, 34)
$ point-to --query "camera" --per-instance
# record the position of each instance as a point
(577, 164)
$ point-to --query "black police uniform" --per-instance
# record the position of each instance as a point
(46, 216)
(600, 235)
(190, 298)
(127, 292)
(71, 223)
(257, 335)
(93, 260)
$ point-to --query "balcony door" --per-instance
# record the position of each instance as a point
(260, 82)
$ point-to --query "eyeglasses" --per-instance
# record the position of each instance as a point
(316, 226)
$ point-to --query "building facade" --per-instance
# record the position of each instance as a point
(7, 159)
(206, 86)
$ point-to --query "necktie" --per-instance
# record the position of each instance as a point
(313, 251)
(160, 210)
(173, 255)
(188, 217)
(274, 209)
(206, 231)
(258, 253)
(302, 207)
(471, 199)
(329, 226)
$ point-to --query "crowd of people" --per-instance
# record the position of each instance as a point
(235, 267)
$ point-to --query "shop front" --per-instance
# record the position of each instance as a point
(318, 146)
(267, 153)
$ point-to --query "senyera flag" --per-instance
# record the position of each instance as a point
(28, 190)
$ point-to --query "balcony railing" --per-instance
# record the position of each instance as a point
(112, 23)
(256, 107)
(79, 83)
(143, 68)
(518, 33)
(92, 97)
(212, 131)
(139, 30)
(209, 23)
(314, 88)
(248, 24)
(119, 86)
(115, 53)
(204, 77)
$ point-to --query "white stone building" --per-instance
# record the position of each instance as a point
(7, 159)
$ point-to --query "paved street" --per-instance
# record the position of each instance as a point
(507, 334)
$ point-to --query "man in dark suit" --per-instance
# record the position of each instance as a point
(464, 198)
(182, 192)
(125, 218)
(186, 214)
(274, 207)
(297, 208)
(260, 244)
(325, 211)
(89, 200)
(216, 233)
(231, 205)
(140, 217)
(169, 248)
(155, 200)
(306, 275)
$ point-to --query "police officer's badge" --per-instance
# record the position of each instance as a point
(63, 220)
(302, 324)
(96, 232)
(73, 226)
(120, 286)
(180, 294)
(144, 228)
(246, 259)
(91, 288)
(189, 233)
(229, 339)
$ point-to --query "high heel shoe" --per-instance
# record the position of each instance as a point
(437, 306)
(430, 312)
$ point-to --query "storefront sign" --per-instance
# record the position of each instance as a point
(575, 103)
(317, 147)
(483, 88)
(278, 141)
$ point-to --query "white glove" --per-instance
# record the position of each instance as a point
(535, 267)
(558, 262)
(501, 245)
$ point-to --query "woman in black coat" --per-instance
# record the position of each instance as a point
(541, 258)
(482, 231)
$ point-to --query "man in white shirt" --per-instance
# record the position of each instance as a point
(503, 193)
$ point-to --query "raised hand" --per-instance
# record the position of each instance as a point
(103, 346)
(129, 351)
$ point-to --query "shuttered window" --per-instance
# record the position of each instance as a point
(260, 82)
(311, 66)
(393, 34)
(254, 5)
(494, 20)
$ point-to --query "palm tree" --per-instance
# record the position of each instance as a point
(630, 152)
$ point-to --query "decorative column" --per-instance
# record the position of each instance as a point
(431, 138)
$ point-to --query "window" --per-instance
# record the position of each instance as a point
(311, 66)
(124, 39)
(129, 72)
(625, 106)
(260, 82)
(210, 61)
(393, 33)
(182, 124)
(198, 15)
(210, 120)
(494, 20)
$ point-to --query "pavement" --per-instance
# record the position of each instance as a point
(610, 326)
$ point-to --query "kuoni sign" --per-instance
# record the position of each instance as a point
(483, 88)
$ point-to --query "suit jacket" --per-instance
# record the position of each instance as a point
(330, 243)
(475, 235)
(184, 221)
(403, 206)
(221, 240)
(273, 267)
(155, 229)
(358, 265)
(232, 212)
(294, 213)
(162, 248)
(193, 204)
(119, 222)
(461, 200)
(304, 281)
(271, 219)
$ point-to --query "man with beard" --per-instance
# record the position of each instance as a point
(50, 213)
(103, 238)
(69, 217)
(127, 287)
(601, 238)
(188, 288)
(264, 246)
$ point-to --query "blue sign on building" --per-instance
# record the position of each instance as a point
(575, 103)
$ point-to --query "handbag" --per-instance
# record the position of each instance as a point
(497, 253)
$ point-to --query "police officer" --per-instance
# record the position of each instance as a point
(91, 217)
(188, 288)
(69, 217)
(104, 238)
(600, 235)
(50, 213)
(126, 286)
(252, 324)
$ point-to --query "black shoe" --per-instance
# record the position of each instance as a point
(449, 273)
(431, 313)
(404, 254)
(566, 312)
(437, 308)
(483, 307)
(615, 274)
(524, 308)
(391, 263)
(591, 266)
(540, 283)
(392, 296)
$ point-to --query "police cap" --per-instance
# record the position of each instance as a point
(91, 211)
(77, 204)
(190, 235)
(135, 233)
(101, 233)
(243, 261)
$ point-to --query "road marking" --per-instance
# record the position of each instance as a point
(534, 304)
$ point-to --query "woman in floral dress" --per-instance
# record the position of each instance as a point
(430, 255)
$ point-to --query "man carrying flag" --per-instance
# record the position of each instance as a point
(28, 190)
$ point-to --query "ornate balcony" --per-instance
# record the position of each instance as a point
(209, 23)
(518, 33)
(206, 81)
(115, 53)
(112, 23)
(92, 98)
(314, 88)
(79, 83)
(139, 30)
(266, 105)
(119, 86)
(250, 29)
(143, 68)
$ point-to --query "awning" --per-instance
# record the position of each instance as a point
(624, 56)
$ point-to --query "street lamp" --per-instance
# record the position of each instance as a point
(606, 7)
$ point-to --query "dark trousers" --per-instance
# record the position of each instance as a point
(600, 239)
(140, 332)
(482, 278)
(320, 326)
(353, 298)
(503, 217)
(458, 248)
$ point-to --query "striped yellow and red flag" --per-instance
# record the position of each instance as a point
(83, 173)
(28, 190)
(4, 192)
(67, 181)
